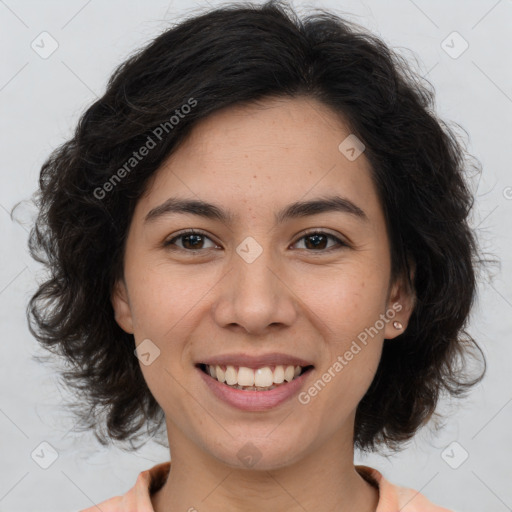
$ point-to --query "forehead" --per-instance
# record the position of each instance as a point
(263, 155)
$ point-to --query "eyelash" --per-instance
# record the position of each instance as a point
(169, 243)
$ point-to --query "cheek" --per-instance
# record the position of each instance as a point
(161, 299)
(348, 387)
(347, 303)
(350, 309)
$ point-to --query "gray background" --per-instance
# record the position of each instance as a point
(40, 101)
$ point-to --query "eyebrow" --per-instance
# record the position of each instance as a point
(175, 205)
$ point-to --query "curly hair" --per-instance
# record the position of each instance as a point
(238, 54)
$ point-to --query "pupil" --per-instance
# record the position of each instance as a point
(316, 237)
(188, 237)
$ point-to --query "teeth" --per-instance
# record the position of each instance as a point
(279, 374)
(243, 377)
(220, 375)
(263, 377)
(289, 373)
(231, 375)
(246, 377)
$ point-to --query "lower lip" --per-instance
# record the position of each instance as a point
(254, 400)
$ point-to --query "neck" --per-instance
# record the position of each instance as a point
(324, 480)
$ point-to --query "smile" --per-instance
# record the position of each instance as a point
(258, 379)
(237, 391)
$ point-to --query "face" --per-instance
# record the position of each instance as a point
(315, 286)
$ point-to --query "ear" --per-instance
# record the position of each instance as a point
(121, 305)
(401, 302)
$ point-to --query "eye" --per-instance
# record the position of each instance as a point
(318, 240)
(192, 241)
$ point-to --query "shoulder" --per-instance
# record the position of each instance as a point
(394, 498)
(138, 498)
(111, 505)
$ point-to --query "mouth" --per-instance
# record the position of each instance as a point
(256, 389)
(262, 379)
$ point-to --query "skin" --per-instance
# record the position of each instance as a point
(294, 298)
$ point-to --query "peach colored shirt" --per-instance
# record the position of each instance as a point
(392, 498)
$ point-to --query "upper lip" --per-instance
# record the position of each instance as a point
(251, 361)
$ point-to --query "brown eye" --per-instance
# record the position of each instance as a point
(317, 241)
(190, 240)
(194, 241)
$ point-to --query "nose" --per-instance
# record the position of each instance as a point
(255, 296)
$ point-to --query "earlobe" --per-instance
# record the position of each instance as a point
(121, 305)
(401, 304)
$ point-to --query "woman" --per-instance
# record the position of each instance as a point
(258, 240)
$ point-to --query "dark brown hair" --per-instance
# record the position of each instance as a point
(238, 54)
